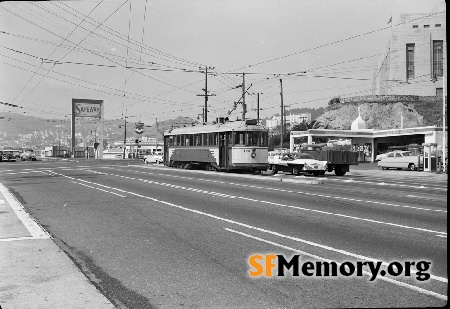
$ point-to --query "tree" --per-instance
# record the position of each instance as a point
(274, 141)
(305, 126)
(334, 101)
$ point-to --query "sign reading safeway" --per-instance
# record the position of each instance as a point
(93, 109)
(87, 109)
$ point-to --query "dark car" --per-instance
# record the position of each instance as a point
(8, 155)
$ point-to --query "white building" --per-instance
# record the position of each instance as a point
(413, 63)
(290, 120)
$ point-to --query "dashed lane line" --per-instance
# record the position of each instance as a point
(289, 191)
(368, 273)
(288, 206)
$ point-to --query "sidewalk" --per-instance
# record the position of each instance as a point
(372, 169)
(35, 272)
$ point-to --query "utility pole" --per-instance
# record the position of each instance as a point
(202, 114)
(244, 107)
(257, 105)
(257, 109)
(282, 115)
(285, 116)
(125, 137)
(444, 140)
(206, 95)
(156, 135)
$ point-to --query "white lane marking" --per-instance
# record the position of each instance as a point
(334, 214)
(21, 238)
(444, 236)
(442, 279)
(430, 186)
(358, 218)
(396, 282)
(98, 189)
(36, 231)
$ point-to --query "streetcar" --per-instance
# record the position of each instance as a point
(221, 146)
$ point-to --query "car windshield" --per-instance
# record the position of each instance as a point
(406, 154)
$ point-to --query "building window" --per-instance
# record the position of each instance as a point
(409, 61)
(437, 25)
(415, 26)
(439, 92)
(437, 58)
(426, 26)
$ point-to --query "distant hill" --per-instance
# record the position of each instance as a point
(383, 112)
(16, 129)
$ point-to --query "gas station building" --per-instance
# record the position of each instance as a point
(372, 142)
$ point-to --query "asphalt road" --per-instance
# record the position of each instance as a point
(149, 236)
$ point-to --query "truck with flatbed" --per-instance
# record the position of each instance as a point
(339, 158)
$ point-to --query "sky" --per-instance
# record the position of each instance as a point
(146, 59)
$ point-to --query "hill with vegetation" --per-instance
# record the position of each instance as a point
(383, 112)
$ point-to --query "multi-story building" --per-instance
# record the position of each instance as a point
(289, 120)
(414, 60)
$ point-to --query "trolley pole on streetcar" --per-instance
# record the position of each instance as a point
(282, 115)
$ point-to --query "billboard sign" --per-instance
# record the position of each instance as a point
(87, 109)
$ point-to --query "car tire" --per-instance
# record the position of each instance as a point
(412, 167)
(339, 172)
(273, 169)
(295, 171)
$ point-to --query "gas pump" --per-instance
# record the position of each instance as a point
(429, 164)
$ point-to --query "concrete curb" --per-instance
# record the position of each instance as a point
(36, 273)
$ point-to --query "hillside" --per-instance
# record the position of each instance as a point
(20, 131)
(383, 112)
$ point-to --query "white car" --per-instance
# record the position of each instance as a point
(156, 157)
(296, 163)
(401, 160)
(28, 155)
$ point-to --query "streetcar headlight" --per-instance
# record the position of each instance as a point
(253, 152)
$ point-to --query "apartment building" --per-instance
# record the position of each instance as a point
(414, 60)
(289, 120)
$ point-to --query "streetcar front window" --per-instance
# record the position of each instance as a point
(239, 138)
(216, 139)
(263, 139)
(252, 138)
(210, 139)
(205, 139)
(198, 139)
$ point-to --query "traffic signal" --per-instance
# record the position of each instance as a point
(139, 128)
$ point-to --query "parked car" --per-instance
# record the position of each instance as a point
(296, 163)
(28, 155)
(8, 155)
(156, 157)
(401, 160)
(381, 156)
